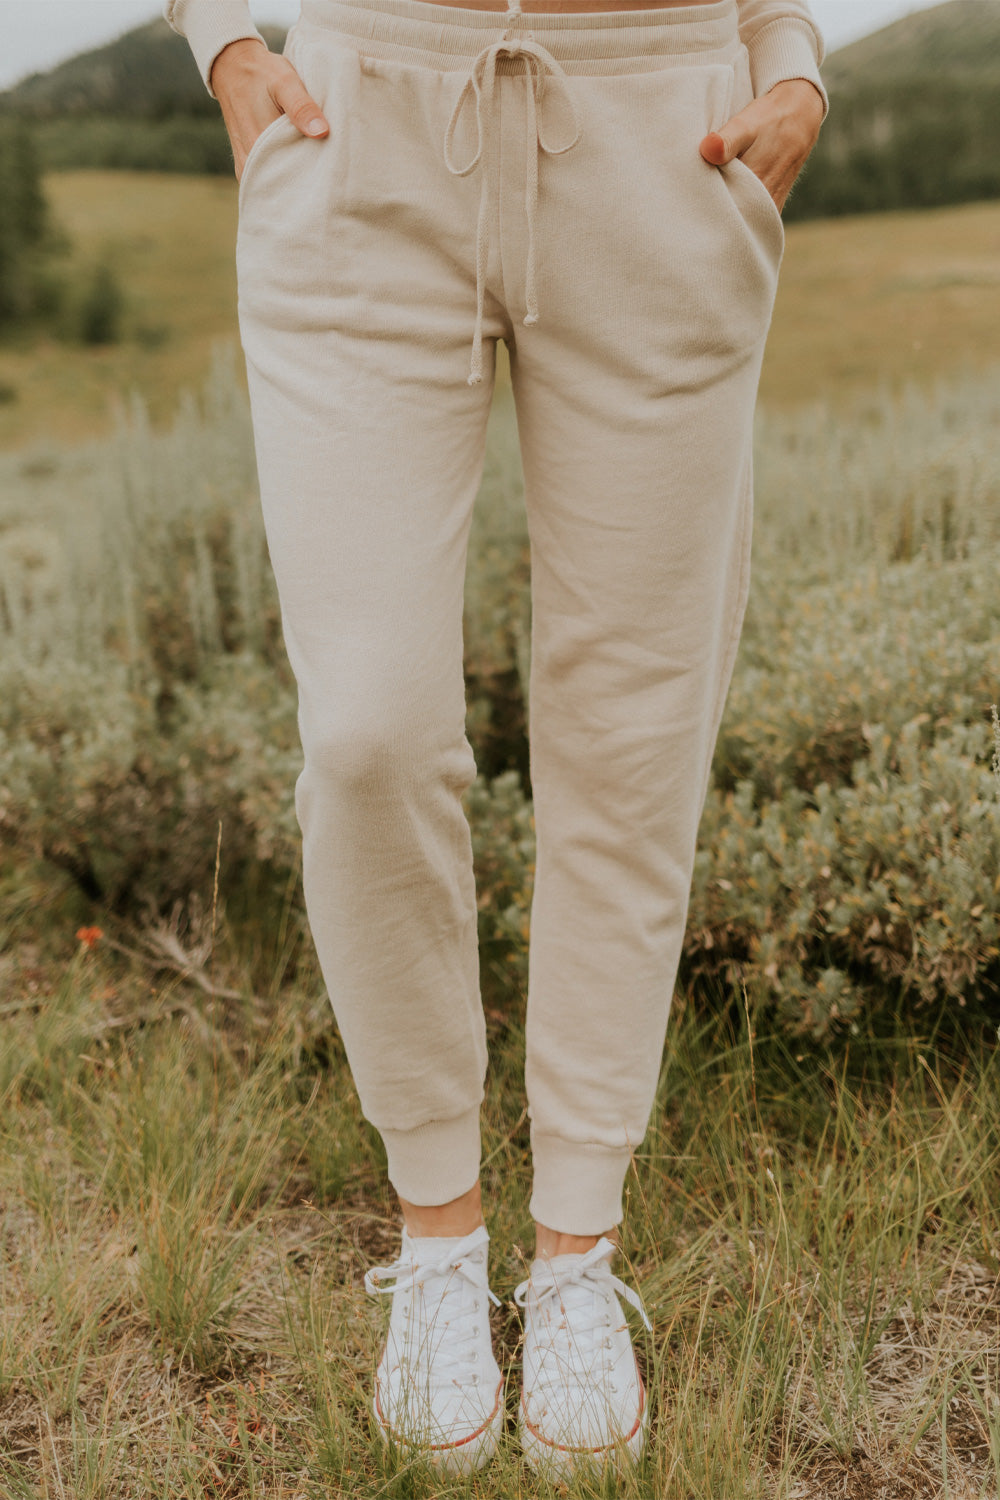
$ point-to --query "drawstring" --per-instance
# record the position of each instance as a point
(539, 67)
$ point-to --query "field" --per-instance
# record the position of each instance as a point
(188, 1194)
(863, 302)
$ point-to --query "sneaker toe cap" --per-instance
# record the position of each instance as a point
(442, 1418)
(586, 1417)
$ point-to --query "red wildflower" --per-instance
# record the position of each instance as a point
(89, 936)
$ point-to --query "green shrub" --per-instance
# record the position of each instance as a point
(128, 800)
(828, 901)
(916, 642)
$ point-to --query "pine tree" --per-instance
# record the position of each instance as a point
(23, 220)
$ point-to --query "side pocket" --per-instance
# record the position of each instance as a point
(752, 198)
(261, 143)
(760, 206)
(257, 150)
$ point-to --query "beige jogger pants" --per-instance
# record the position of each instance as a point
(534, 178)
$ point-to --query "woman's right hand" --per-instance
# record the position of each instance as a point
(254, 86)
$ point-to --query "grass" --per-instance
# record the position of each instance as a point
(884, 299)
(879, 299)
(190, 1199)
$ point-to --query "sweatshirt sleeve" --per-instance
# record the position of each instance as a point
(210, 25)
(783, 41)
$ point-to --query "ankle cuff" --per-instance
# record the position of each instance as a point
(436, 1162)
(577, 1184)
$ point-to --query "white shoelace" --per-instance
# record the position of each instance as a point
(584, 1292)
(439, 1301)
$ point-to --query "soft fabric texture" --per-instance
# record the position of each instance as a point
(781, 37)
(362, 260)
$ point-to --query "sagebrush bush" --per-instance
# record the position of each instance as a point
(849, 850)
(820, 666)
(129, 799)
(832, 899)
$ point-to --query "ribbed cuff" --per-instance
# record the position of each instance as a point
(785, 49)
(435, 1162)
(577, 1186)
(210, 25)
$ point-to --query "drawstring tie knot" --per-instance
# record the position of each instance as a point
(541, 70)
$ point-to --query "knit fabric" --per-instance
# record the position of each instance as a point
(362, 261)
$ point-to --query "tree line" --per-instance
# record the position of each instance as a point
(915, 143)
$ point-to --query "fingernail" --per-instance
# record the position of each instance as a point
(316, 126)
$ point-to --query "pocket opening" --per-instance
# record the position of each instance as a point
(254, 153)
(763, 195)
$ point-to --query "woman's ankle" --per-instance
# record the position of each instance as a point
(444, 1220)
(553, 1242)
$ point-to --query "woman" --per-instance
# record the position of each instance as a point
(600, 186)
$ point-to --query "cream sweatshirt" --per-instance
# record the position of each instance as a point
(781, 37)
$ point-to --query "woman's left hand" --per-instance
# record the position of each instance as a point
(773, 136)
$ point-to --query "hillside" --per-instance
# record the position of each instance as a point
(960, 38)
(137, 103)
(914, 119)
(146, 74)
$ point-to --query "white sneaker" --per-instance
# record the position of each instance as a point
(438, 1387)
(582, 1401)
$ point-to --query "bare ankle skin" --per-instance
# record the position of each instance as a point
(462, 1215)
(459, 1217)
(553, 1242)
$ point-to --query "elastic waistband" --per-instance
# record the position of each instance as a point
(447, 37)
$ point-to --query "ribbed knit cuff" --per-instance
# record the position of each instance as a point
(785, 49)
(435, 1162)
(210, 25)
(577, 1186)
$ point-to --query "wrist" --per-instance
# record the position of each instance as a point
(798, 106)
(804, 91)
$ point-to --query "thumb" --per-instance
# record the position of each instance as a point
(721, 146)
(300, 107)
